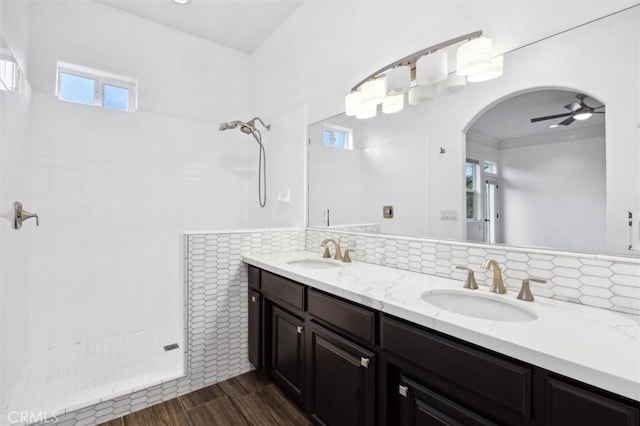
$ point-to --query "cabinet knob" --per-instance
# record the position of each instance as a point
(403, 390)
(254, 299)
(300, 329)
(364, 362)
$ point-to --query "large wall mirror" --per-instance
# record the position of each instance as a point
(473, 166)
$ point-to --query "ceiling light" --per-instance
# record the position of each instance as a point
(181, 1)
(421, 94)
(374, 91)
(553, 126)
(494, 71)
(431, 68)
(583, 114)
(474, 56)
(453, 84)
(393, 103)
(367, 110)
(399, 80)
(352, 103)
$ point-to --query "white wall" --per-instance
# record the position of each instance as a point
(115, 189)
(553, 194)
(15, 246)
(565, 61)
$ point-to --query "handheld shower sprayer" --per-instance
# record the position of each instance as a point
(249, 128)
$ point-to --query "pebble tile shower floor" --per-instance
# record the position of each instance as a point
(86, 373)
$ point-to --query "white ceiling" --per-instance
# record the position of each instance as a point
(239, 24)
(511, 119)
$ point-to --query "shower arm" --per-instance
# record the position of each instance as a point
(266, 126)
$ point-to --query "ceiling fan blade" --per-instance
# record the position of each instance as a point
(598, 107)
(567, 121)
(599, 112)
(551, 117)
(573, 106)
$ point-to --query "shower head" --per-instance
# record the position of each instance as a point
(247, 128)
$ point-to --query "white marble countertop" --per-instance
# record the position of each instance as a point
(592, 345)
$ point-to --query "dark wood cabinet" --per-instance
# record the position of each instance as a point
(571, 405)
(347, 364)
(420, 406)
(287, 353)
(341, 377)
(255, 329)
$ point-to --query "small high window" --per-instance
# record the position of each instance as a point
(93, 87)
(337, 137)
(490, 167)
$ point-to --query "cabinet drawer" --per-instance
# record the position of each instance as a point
(506, 383)
(254, 277)
(283, 289)
(568, 404)
(353, 319)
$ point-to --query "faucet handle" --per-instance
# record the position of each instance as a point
(470, 283)
(525, 291)
(327, 253)
(345, 257)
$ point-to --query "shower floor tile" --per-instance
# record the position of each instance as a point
(70, 377)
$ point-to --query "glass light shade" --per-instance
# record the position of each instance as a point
(420, 94)
(374, 91)
(474, 56)
(398, 80)
(431, 68)
(453, 84)
(352, 103)
(368, 110)
(582, 115)
(494, 71)
(393, 103)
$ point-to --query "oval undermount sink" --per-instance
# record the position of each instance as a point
(478, 305)
(314, 263)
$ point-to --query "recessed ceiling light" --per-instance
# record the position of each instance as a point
(181, 1)
(553, 126)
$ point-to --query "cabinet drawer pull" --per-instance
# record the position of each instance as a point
(364, 362)
(254, 299)
(300, 328)
(403, 390)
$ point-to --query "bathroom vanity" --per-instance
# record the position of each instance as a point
(355, 344)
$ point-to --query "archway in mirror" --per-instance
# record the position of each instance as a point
(535, 172)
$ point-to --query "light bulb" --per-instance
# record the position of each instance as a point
(393, 103)
(474, 56)
(398, 80)
(352, 103)
(583, 114)
(374, 91)
(431, 68)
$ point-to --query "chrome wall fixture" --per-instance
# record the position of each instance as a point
(423, 76)
(20, 215)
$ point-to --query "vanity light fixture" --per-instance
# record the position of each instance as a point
(393, 103)
(429, 70)
(181, 1)
(493, 71)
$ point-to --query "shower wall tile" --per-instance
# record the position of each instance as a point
(216, 305)
(600, 281)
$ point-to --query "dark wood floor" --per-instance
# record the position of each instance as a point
(249, 399)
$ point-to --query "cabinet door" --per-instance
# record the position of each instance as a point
(287, 346)
(571, 405)
(255, 335)
(341, 381)
(421, 406)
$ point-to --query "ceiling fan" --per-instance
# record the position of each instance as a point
(579, 111)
